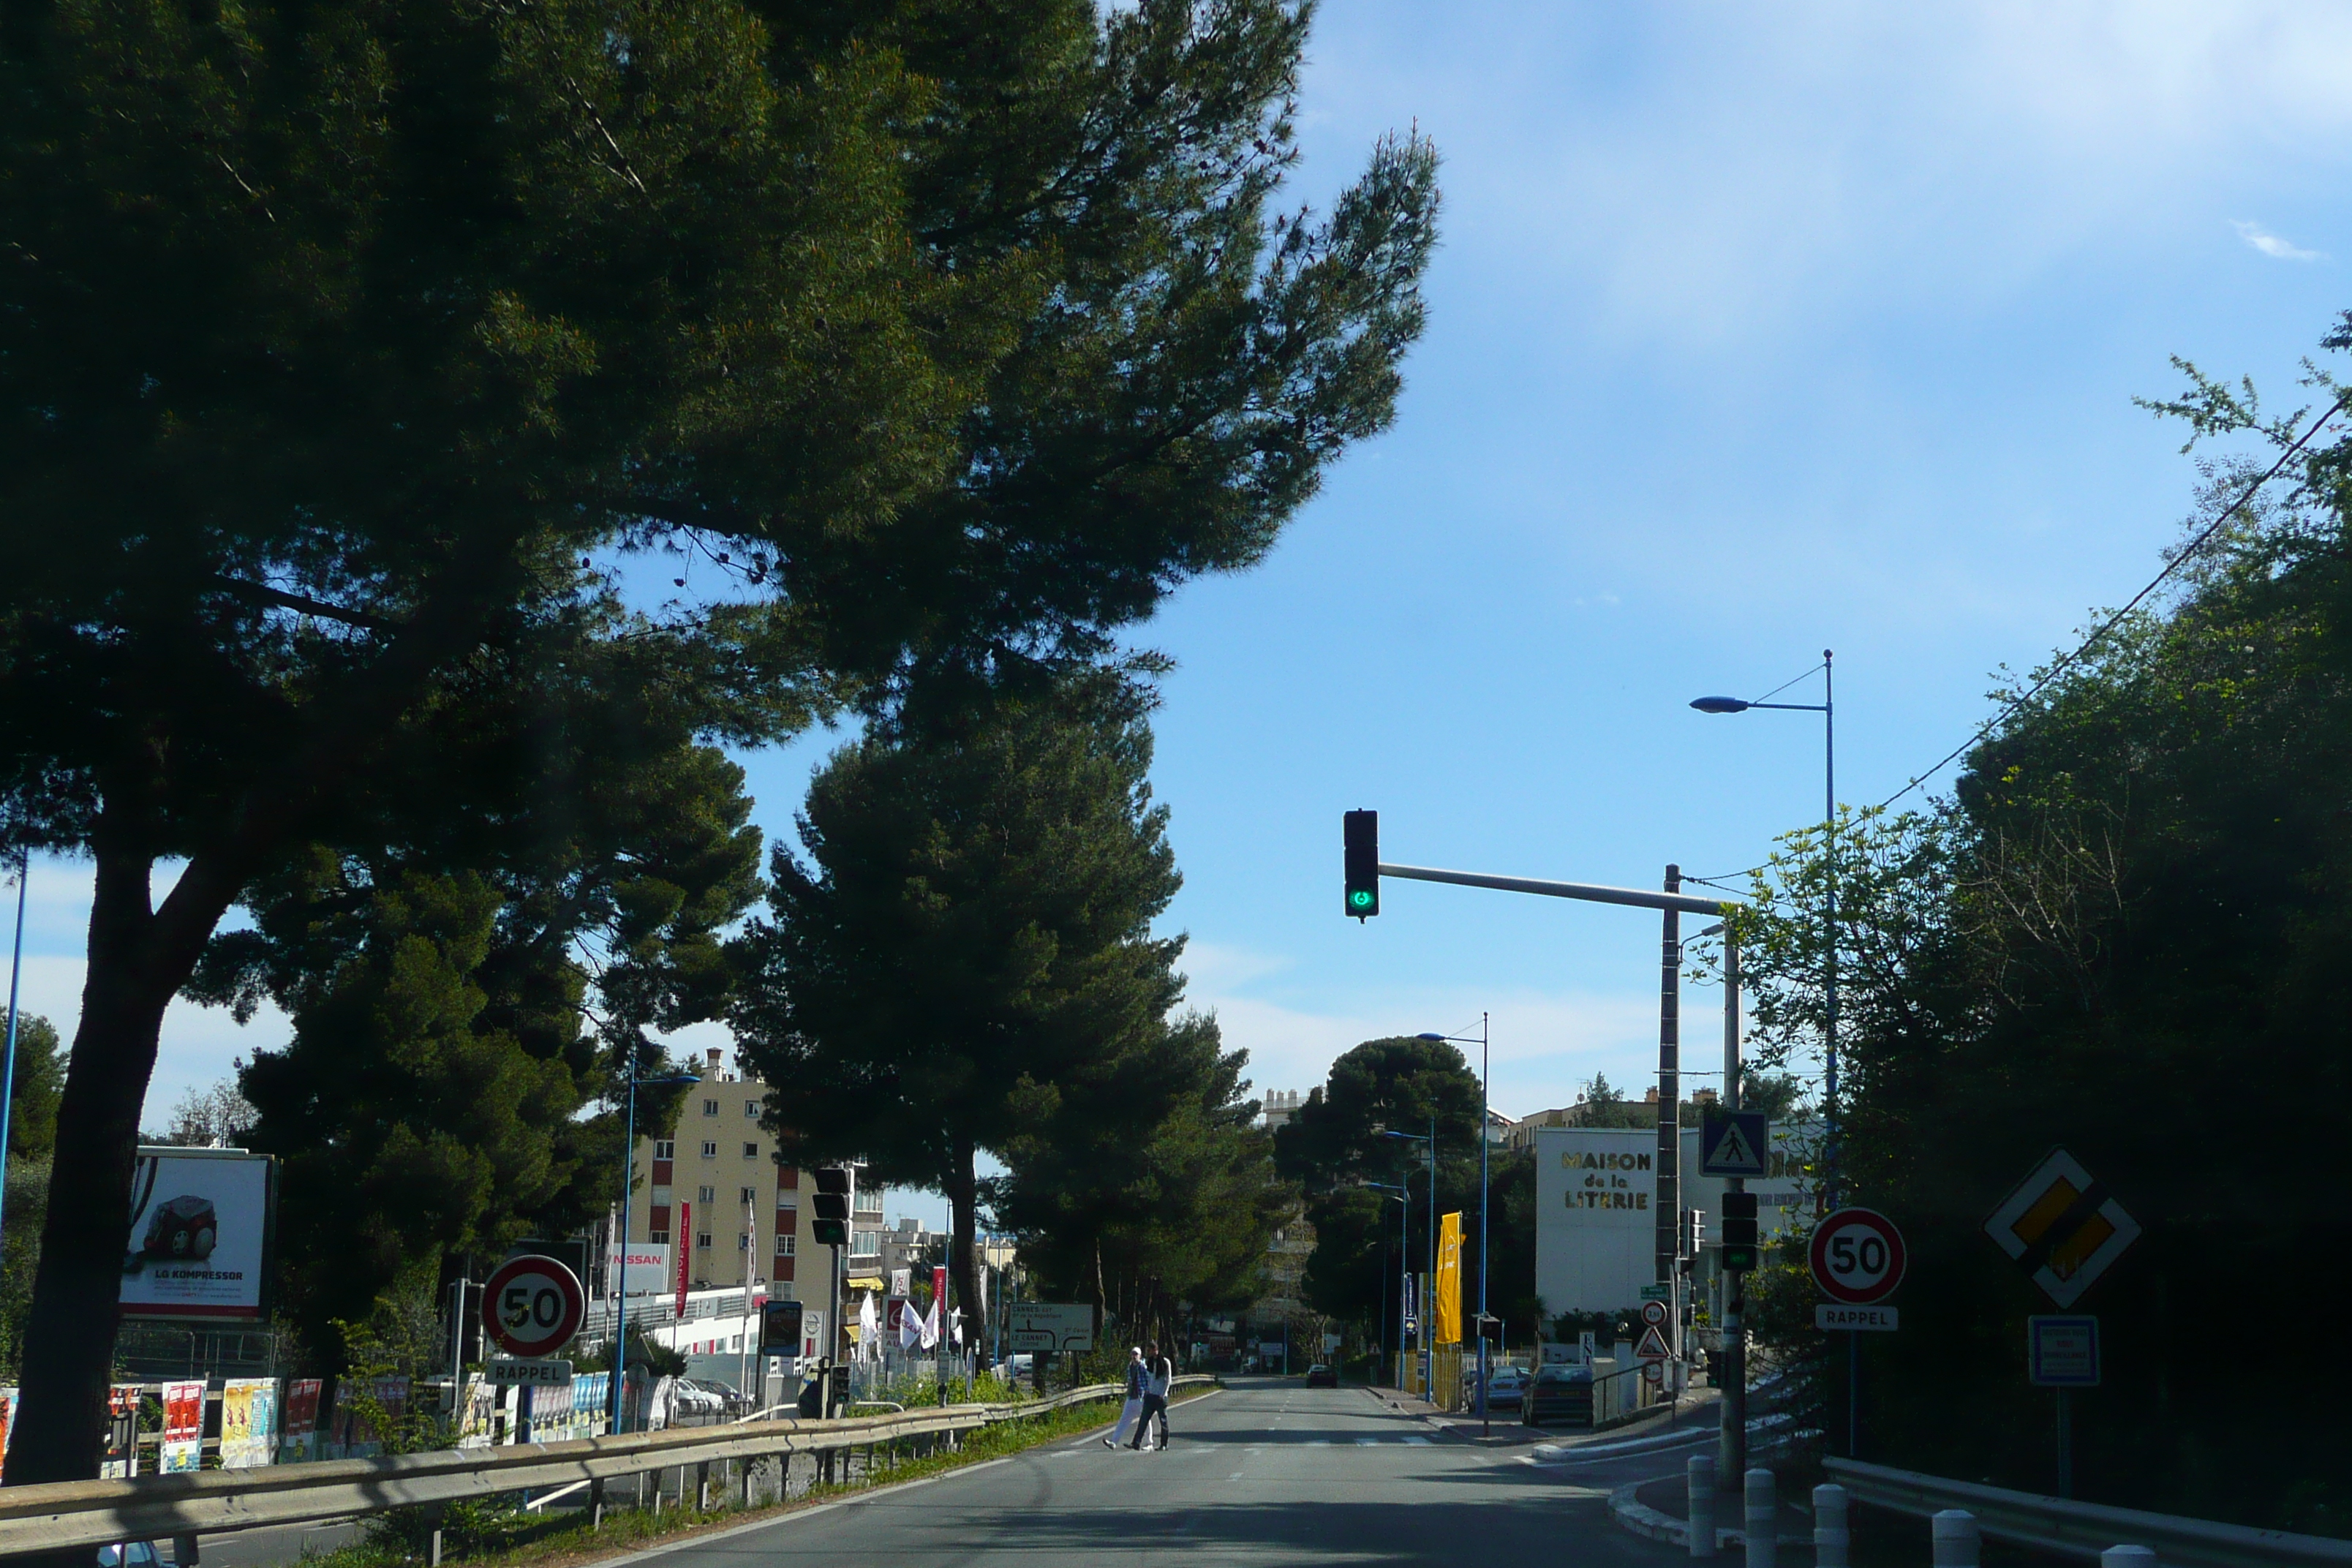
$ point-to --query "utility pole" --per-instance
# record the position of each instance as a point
(1666, 1201)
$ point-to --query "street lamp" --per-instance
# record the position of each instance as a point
(1485, 1131)
(628, 1185)
(1402, 1196)
(1827, 708)
(1431, 1139)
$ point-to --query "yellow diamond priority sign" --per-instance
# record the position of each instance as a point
(2060, 1227)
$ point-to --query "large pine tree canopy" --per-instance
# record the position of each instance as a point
(343, 346)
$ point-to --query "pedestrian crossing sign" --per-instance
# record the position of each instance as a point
(1735, 1143)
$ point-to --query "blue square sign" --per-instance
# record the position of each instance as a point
(1735, 1143)
(2063, 1351)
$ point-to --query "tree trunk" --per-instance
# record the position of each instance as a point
(963, 1247)
(139, 958)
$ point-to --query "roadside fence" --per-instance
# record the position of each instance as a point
(185, 1507)
(1962, 1512)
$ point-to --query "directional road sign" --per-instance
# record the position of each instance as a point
(532, 1306)
(1734, 1143)
(2060, 1227)
(1049, 1326)
(1858, 1256)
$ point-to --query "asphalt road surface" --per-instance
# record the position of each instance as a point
(1264, 1472)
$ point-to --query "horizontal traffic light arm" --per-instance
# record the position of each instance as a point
(1591, 892)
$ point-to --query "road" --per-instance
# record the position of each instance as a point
(1264, 1472)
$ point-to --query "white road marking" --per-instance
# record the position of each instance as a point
(1418, 1442)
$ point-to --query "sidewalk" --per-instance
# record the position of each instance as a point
(1697, 1410)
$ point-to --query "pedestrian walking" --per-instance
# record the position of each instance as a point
(1134, 1406)
(1157, 1374)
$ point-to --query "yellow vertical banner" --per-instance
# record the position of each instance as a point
(1446, 1299)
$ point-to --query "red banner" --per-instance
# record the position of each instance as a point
(684, 1251)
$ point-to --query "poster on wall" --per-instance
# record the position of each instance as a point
(365, 1408)
(8, 1425)
(184, 1427)
(200, 1231)
(120, 1460)
(248, 1437)
(299, 1423)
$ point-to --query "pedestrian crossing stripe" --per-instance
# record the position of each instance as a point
(1418, 1442)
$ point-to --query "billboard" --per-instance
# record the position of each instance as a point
(648, 1267)
(200, 1232)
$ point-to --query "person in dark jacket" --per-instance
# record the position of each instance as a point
(1159, 1374)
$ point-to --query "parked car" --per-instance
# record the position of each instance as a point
(1509, 1386)
(1560, 1395)
(1322, 1376)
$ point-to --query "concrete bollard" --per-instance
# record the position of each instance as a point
(1763, 1517)
(1699, 1499)
(1957, 1542)
(1830, 1542)
(2128, 1557)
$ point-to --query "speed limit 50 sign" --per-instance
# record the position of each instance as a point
(532, 1306)
(1858, 1256)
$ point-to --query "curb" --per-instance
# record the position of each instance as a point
(1638, 1518)
(1559, 1453)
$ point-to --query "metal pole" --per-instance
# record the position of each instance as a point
(1429, 1303)
(743, 1361)
(628, 1184)
(8, 1073)
(1485, 1131)
(1404, 1272)
(1667, 1196)
(1833, 1154)
(1731, 1450)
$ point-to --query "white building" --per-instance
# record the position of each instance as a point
(1596, 1217)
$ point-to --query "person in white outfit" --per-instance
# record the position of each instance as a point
(1134, 1406)
(1159, 1375)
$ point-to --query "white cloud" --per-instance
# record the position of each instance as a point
(2271, 245)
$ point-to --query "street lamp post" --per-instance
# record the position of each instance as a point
(1431, 1139)
(1486, 1129)
(1831, 1152)
(1403, 1197)
(628, 1185)
(8, 1072)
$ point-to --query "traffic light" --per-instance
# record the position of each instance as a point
(1694, 1235)
(1363, 836)
(1739, 1248)
(832, 1227)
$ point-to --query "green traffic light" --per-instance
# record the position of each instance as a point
(1360, 898)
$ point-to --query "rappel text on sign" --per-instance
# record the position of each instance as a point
(1603, 1187)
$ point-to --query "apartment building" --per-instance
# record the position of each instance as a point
(714, 1189)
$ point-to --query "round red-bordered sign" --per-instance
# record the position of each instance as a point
(532, 1306)
(1858, 1256)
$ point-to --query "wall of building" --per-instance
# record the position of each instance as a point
(1596, 1230)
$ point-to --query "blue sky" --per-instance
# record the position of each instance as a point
(1755, 331)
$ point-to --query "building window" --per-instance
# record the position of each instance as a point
(711, 1151)
(664, 1148)
(789, 1178)
(743, 1242)
(710, 1107)
(784, 1246)
(749, 1195)
(865, 1243)
(751, 1151)
(706, 1194)
(751, 1107)
(658, 1237)
(702, 1240)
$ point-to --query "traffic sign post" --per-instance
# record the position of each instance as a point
(1735, 1143)
(531, 1307)
(2060, 1226)
(1858, 1256)
(2061, 1353)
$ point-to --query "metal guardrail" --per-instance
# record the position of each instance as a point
(208, 1503)
(2087, 1529)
